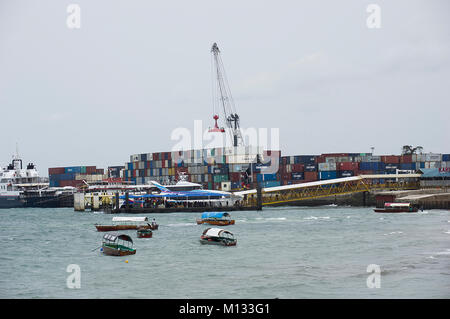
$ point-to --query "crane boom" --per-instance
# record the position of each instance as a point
(225, 99)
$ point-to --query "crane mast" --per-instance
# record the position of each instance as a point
(225, 100)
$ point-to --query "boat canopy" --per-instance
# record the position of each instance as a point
(181, 195)
(397, 204)
(113, 238)
(216, 232)
(130, 219)
(215, 215)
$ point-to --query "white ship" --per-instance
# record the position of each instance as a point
(14, 179)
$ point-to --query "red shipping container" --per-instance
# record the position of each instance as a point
(320, 159)
(100, 171)
(347, 166)
(297, 168)
(56, 170)
(91, 169)
(365, 173)
(406, 159)
(335, 155)
(390, 159)
(235, 177)
(155, 156)
(310, 176)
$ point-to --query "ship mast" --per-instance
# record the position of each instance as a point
(225, 98)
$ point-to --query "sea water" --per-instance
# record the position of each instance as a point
(301, 252)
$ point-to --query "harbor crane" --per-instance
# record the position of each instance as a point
(222, 98)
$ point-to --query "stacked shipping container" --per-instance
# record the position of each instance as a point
(74, 175)
(211, 167)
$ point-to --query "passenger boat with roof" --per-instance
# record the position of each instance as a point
(127, 223)
(216, 218)
(117, 245)
(218, 236)
(397, 208)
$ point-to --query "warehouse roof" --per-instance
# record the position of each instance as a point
(435, 172)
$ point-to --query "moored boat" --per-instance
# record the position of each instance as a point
(117, 245)
(144, 233)
(397, 208)
(127, 223)
(216, 218)
(218, 236)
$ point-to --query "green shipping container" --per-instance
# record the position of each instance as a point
(83, 169)
(220, 178)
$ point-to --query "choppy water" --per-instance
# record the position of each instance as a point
(320, 252)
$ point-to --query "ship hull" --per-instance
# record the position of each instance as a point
(49, 201)
(11, 202)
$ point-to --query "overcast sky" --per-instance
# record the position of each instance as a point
(136, 70)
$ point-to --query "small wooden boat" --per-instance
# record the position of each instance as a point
(144, 233)
(127, 223)
(117, 245)
(397, 208)
(216, 218)
(218, 236)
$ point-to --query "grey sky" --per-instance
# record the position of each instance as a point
(138, 69)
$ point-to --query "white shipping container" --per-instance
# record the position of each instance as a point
(432, 164)
(288, 168)
(327, 166)
(433, 157)
(421, 158)
(240, 159)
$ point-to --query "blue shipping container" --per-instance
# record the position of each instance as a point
(298, 176)
(270, 184)
(408, 166)
(310, 167)
(446, 157)
(266, 177)
(327, 175)
(73, 169)
(342, 174)
(371, 166)
(304, 159)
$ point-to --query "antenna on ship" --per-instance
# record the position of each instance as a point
(222, 96)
